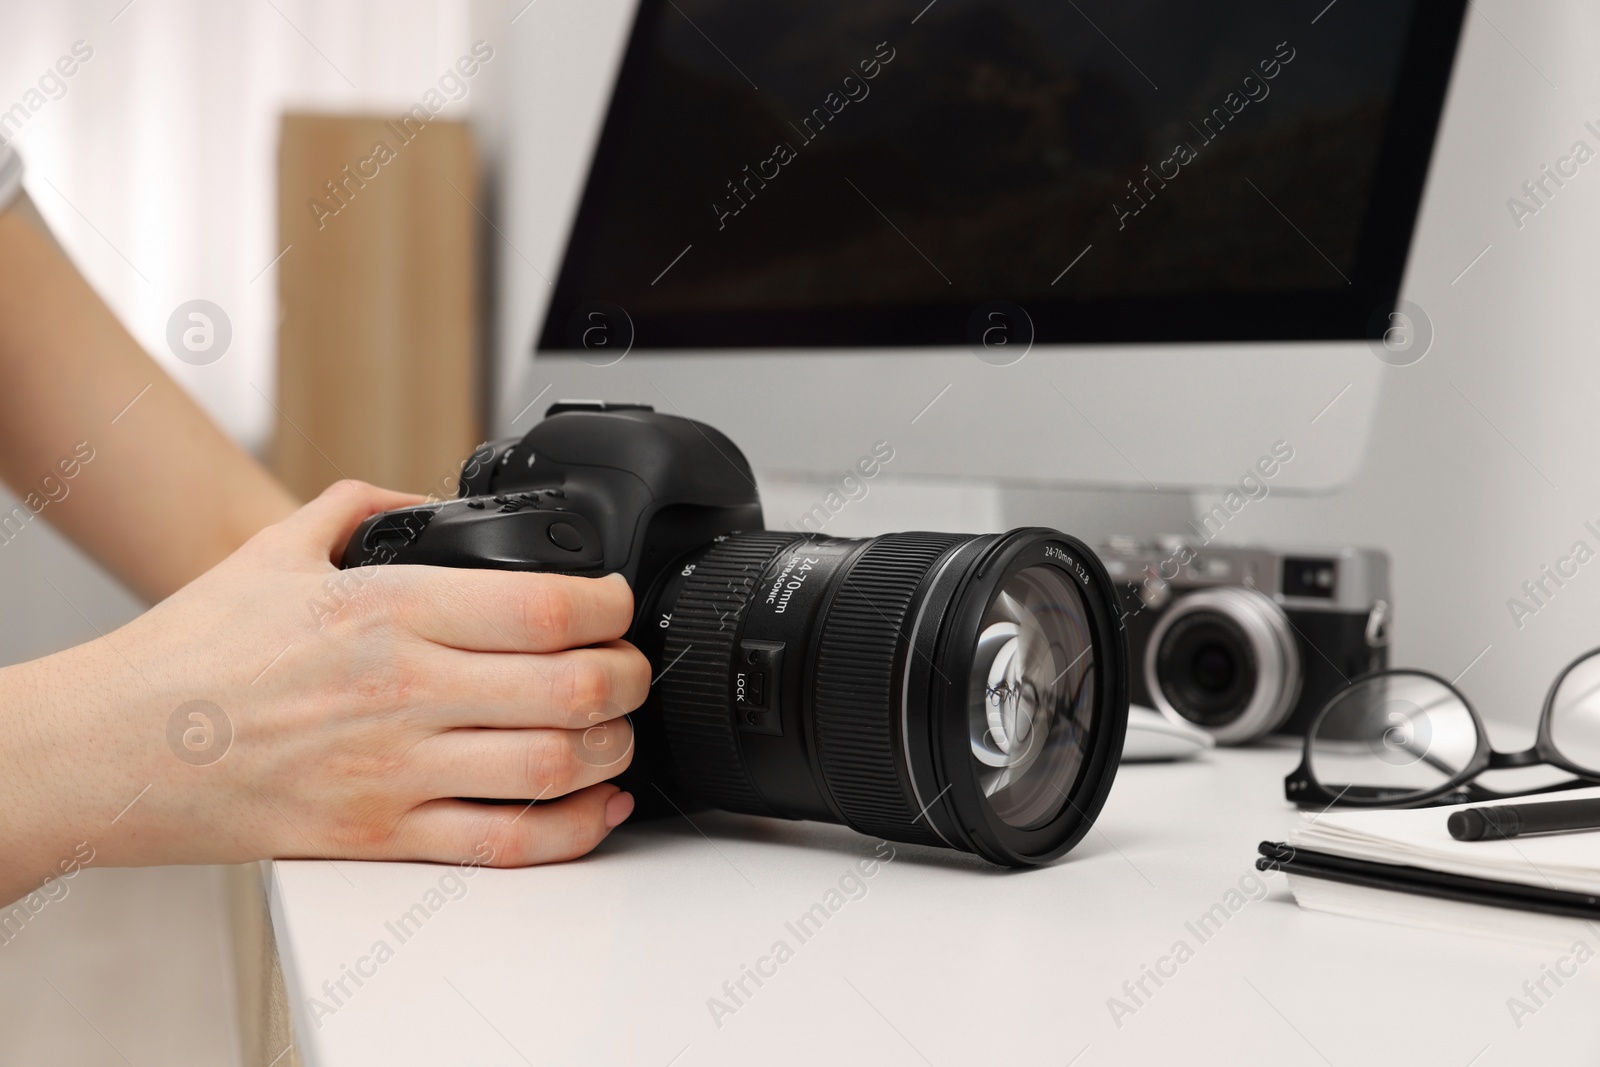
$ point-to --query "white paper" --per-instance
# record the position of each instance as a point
(1418, 838)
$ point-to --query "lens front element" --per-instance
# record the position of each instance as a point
(1033, 673)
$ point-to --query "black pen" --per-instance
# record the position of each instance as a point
(1512, 820)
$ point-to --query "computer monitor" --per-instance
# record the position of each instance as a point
(1136, 243)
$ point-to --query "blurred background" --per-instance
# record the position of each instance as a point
(160, 169)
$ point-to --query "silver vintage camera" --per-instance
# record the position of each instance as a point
(1244, 642)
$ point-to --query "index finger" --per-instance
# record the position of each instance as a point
(512, 611)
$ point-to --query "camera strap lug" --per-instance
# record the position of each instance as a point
(1377, 633)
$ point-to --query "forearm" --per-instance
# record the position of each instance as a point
(166, 494)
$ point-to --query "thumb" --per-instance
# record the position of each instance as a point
(329, 520)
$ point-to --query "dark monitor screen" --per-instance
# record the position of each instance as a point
(859, 172)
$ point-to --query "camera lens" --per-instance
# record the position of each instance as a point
(1207, 668)
(1215, 668)
(1225, 660)
(947, 689)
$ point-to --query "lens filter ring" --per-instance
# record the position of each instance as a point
(1069, 662)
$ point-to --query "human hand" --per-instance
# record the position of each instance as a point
(350, 709)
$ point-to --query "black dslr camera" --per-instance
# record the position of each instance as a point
(958, 690)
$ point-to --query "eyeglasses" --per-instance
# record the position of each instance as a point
(1408, 738)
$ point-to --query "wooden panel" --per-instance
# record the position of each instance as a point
(378, 357)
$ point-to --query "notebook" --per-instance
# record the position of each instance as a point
(1404, 867)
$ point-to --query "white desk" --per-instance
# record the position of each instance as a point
(943, 961)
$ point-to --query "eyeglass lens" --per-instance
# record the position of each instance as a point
(1404, 732)
(1575, 714)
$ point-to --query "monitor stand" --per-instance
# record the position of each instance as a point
(1095, 515)
(850, 506)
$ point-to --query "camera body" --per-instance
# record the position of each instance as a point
(1248, 641)
(596, 488)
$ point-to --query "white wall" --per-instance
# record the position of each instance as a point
(157, 167)
(1483, 461)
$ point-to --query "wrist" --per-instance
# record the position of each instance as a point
(36, 837)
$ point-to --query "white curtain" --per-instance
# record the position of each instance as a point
(154, 162)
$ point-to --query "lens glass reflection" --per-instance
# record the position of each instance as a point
(1031, 707)
(1391, 736)
(1575, 714)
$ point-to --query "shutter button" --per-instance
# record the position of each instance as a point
(565, 536)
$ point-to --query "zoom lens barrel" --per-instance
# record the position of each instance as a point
(944, 689)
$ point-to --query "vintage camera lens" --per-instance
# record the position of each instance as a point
(1225, 660)
(948, 689)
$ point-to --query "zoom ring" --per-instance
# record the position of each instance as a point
(856, 711)
(697, 662)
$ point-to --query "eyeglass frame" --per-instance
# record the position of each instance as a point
(1302, 788)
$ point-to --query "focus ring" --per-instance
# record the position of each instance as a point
(857, 665)
(697, 663)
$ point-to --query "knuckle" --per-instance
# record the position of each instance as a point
(582, 688)
(509, 844)
(387, 684)
(381, 599)
(549, 765)
(366, 828)
(579, 832)
(377, 772)
(563, 834)
(358, 606)
(348, 489)
(549, 612)
(354, 598)
(607, 746)
(635, 672)
(620, 609)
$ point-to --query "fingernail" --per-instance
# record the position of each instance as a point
(618, 808)
(618, 576)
